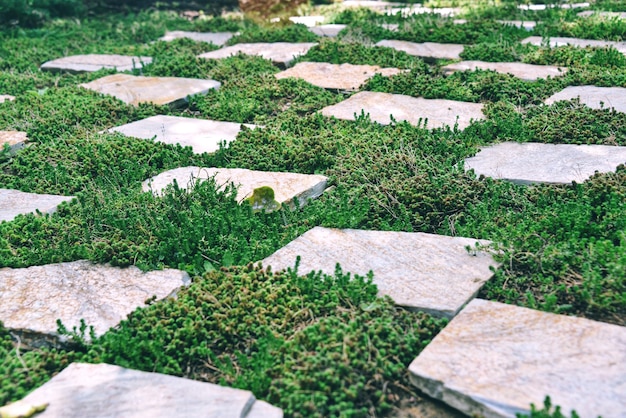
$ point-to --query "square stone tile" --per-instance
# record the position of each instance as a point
(15, 139)
(336, 76)
(104, 390)
(330, 31)
(95, 62)
(594, 97)
(215, 38)
(14, 202)
(286, 186)
(581, 43)
(528, 72)
(281, 53)
(381, 106)
(527, 163)
(426, 272)
(158, 90)
(200, 134)
(426, 50)
(494, 360)
(6, 98)
(34, 298)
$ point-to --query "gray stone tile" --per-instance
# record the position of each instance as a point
(494, 360)
(6, 98)
(14, 202)
(536, 7)
(336, 76)
(282, 53)
(381, 106)
(528, 72)
(595, 13)
(428, 50)
(286, 186)
(525, 24)
(581, 43)
(329, 31)
(95, 62)
(308, 21)
(426, 272)
(418, 10)
(104, 390)
(200, 134)
(158, 90)
(594, 97)
(527, 163)
(15, 139)
(34, 298)
(215, 38)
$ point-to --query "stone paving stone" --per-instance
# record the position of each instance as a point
(417, 9)
(14, 202)
(34, 298)
(200, 134)
(281, 53)
(335, 76)
(494, 360)
(381, 106)
(15, 140)
(426, 272)
(104, 390)
(6, 98)
(215, 38)
(594, 97)
(95, 62)
(329, 31)
(528, 72)
(546, 6)
(525, 24)
(427, 50)
(527, 163)
(581, 43)
(308, 21)
(286, 186)
(158, 90)
(588, 13)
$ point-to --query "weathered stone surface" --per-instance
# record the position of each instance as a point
(549, 6)
(95, 62)
(418, 10)
(158, 90)
(594, 97)
(381, 106)
(286, 186)
(526, 163)
(334, 76)
(6, 97)
(431, 50)
(34, 298)
(527, 72)
(528, 25)
(330, 31)
(262, 409)
(595, 13)
(282, 53)
(560, 41)
(200, 134)
(494, 360)
(15, 140)
(432, 273)
(215, 38)
(14, 202)
(308, 21)
(104, 390)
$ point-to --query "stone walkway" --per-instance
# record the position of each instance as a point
(15, 202)
(426, 50)
(528, 72)
(594, 97)
(281, 53)
(95, 62)
(577, 42)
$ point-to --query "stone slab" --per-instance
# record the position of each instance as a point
(336, 76)
(329, 31)
(282, 53)
(158, 90)
(593, 97)
(15, 139)
(286, 186)
(200, 134)
(523, 24)
(418, 10)
(215, 38)
(104, 390)
(34, 298)
(308, 21)
(494, 360)
(432, 50)
(589, 13)
(6, 98)
(528, 72)
(527, 163)
(431, 273)
(581, 43)
(381, 106)
(15, 202)
(95, 62)
(535, 7)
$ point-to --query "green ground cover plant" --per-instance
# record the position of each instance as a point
(281, 334)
